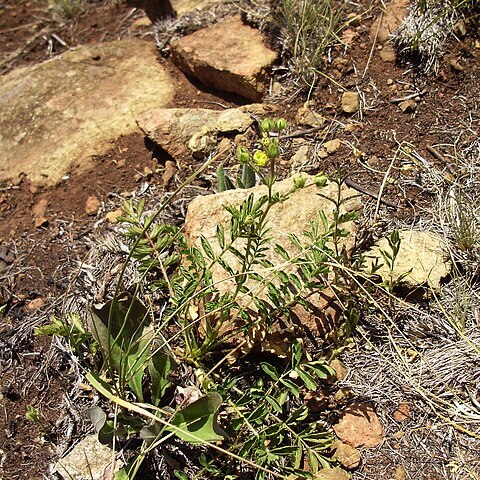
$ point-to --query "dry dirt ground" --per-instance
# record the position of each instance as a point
(37, 263)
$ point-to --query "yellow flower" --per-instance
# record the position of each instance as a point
(260, 158)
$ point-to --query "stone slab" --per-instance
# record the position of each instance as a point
(229, 56)
(57, 115)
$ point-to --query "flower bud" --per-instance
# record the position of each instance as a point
(243, 155)
(320, 180)
(266, 125)
(260, 158)
(280, 124)
(299, 182)
(272, 149)
(248, 220)
(265, 141)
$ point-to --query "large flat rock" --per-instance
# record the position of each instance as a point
(58, 114)
(293, 216)
(228, 56)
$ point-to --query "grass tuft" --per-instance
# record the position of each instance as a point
(66, 9)
(307, 30)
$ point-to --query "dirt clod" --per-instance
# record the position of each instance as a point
(92, 205)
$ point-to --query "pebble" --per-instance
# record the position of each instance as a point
(350, 102)
(112, 217)
(408, 106)
(35, 304)
(402, 413)
(332, 145)
(348, 456)
(92, 205)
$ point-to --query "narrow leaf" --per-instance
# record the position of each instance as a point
(270, 370)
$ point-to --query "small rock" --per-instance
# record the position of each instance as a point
(89, 460)
(41, 222)
(348, 36)
(331, 474)
(112, 217)
(341, 371)
(224, 145)
(408, 106)
(387, 54)
(322, 153)
(92, 205)
(455, 64)
(182, 7)
(387, 24)
(169, 172)
(6, 255)
(40, 208)
(59, 99)
(332, 145)
(228, 56)
(206, 212)
(348, 456)
(420, 256)
(402, 413)
(35, 304)
(38, 211)
(306, 116)
(359, 426)
(301, 156)
(400, 473)
(140, 24)
(174, 129)
(202, 143)
(350, 102)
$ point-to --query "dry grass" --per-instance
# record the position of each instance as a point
(66, 9)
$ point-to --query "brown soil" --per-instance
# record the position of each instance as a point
(43, 258)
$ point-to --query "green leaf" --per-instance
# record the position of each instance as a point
(274, 403)
(282, 252)
(123, 329)
(221, 236)
(248, 176)
(298, 455)
(298, 415)
(297, 353)
(207, 248)
(229, 183)
(159, 367)
(292, 386)
(270, 370)
(221, 184)
(312, 461)
(321, 369)
(150, 433)
(97, 416)
(106, 429)
(109, 430)
(200, 419)
(181, 475)
(307, 379)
